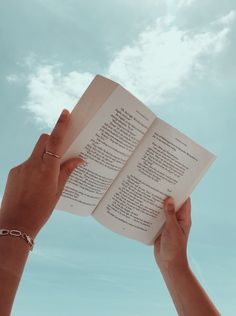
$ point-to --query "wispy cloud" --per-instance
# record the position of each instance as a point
(12, 78)
(164, 57)
(184, 3)
(49, 91)
(154, 67)
(227, 19)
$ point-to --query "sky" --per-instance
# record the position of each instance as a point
(178, 57)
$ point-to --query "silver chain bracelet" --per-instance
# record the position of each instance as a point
(17, 233)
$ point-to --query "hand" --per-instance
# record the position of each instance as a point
(171, 246)
(34, 187)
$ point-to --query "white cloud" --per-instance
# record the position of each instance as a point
(184, 3)
(228, 18)
(49, 91)
(154, 67)
(163, 58)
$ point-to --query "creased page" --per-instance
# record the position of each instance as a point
(165, 163)
(106, 143)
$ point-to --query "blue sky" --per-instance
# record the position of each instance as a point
(178, 57)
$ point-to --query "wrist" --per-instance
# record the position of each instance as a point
(8, 223)
(175, 266)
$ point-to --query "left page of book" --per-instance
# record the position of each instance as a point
(106, 143)
(90, 102)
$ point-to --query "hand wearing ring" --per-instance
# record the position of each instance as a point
(52, 154)
(37, 183)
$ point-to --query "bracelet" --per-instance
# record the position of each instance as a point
(17, 233)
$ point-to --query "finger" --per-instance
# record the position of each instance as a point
(184, 214)
(66, 170)
(55, 140)
(169, 210)
(157, 244)
(39, 147)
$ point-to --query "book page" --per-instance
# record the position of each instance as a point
(166, 163)
(106, 142)
(86, 108)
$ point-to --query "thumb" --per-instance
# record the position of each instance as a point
(66, 170)
(169, 210)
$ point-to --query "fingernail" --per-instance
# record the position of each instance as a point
(170, 206)
(63, 116)
(81, 162)
(170, 200)
(64, 112)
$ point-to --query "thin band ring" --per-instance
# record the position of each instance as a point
(52, 154)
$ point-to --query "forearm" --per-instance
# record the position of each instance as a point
(189, 297)
(13, 255)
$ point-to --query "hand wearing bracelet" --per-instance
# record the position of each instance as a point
(34, 187)
(32, 191)
(17, 233)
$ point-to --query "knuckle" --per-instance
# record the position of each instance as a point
(12, 170)
(15, 170)
(170, 211)
(55, 139)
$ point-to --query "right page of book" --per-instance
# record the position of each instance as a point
(166, 163)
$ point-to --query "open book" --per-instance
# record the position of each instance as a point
(134, 161)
